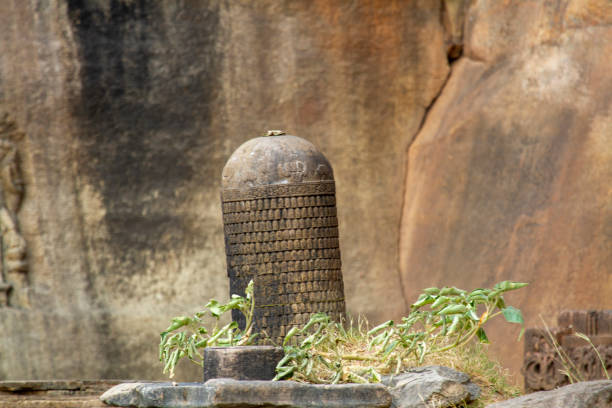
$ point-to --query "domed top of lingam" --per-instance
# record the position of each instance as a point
(275, 159)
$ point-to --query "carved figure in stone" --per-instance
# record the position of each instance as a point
(13, 247)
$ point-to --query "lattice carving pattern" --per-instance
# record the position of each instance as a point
(285, 238)
(542, 366)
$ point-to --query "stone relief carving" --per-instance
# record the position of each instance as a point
(14, 265)
(542, 367)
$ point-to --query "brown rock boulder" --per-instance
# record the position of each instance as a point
(509, 178)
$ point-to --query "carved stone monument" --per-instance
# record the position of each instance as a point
(542, 367)
(13, 266)
(281, 230)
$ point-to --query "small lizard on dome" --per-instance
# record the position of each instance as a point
(275, 133)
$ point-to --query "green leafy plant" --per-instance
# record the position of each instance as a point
(440, 320)
(186, 336)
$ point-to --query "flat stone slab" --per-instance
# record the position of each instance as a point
(226, 393)
(587, 394)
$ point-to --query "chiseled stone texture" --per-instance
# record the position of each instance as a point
(588, 394)
(431, 386)
(220, 393)
(509, 178)
(130, 109)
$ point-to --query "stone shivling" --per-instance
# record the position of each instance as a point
(281, 230)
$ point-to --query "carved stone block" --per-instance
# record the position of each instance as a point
(281, 230)
(542, 366)
(241, 362)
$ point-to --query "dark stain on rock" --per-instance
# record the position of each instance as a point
(148, 73)
(147, 87)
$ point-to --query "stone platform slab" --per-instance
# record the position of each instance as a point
(54, 393)
(226, 393)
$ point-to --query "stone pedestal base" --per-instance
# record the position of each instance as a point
(241, 363)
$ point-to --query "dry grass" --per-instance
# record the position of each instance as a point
(362, 363)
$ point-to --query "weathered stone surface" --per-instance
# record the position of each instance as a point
(588, 394)
(129, 111)
(509, 176)
(53, 394)
(246, 394)
(432, 386)
(13, 249)
(241, 362)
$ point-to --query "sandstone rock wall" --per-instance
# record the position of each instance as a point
(123, 114)
(129, 110)
(509, 178)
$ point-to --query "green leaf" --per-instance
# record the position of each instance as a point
(431, 291)
(472, 315)
(508, 285)
(321, 318)
(248, 292)
(178, 322)
(422, 301)
(388, 323)
(452, 291)
(479, 295)
(309, 366)
(513, 315)
(453, 309)
(454, 325)
(442, 300)
(321, 340)
(215, 308)
(285, 372)
(290, 334)
(482, 336)
(234, 303)
(378, 339)
(389, 349)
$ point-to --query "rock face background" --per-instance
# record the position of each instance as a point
(471, 143)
